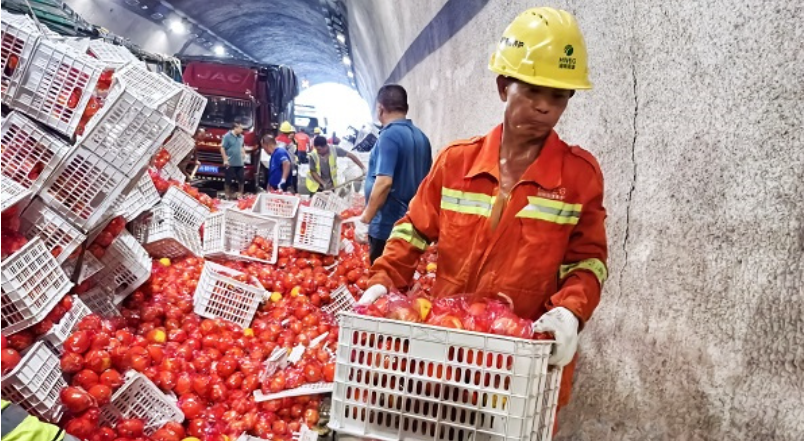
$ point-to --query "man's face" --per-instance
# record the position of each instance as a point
(322, 150)
(531, 111)
(269, 146)
(238, 129)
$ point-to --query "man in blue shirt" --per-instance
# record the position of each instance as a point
(233, 153)
(279, 166)
(399, 161)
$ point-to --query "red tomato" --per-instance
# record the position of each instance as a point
(101, 393)
(98, 361)
(75, 399)
(191, 405)
(131, 427)
(111, 378)
(10, 359)
(329, 372)
(312, 372)
(80, 428)
(79, 342)
(85, 379)
(311, 417)
(71, 362)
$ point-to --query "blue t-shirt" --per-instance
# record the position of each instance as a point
(279, 157)
(233, 144)
(402, 152)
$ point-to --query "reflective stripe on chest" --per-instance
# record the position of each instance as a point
(551, 211)
(466, 202)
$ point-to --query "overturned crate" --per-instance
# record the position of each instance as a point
(228, 294)
(35, 383)
(126, 267)
(30, 153)
(317, 231)
(60, 237)
(163, 235)
(19, 39)
(232, 233)
(185, 207)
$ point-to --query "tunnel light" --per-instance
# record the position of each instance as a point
(350, 74)
(341, 38)
(178, 26)
(219, 50)
(346, 60)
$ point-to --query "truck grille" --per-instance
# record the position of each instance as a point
(210, 157)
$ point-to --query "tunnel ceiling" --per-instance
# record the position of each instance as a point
(288, 32)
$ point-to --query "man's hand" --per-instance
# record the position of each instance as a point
(361, 231)
(563, 325)
(226, 162)
(371, 295)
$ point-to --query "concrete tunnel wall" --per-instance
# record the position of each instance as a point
(696, 119)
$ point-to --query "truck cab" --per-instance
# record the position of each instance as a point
(258, 96)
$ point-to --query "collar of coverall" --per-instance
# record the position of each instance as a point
(545, 170)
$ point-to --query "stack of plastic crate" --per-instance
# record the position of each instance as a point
(164, 235)
(179, 102)
(230, 233)
(19, 39)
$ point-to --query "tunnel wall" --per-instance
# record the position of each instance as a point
(696, 118)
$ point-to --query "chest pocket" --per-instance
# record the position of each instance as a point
(463, 215)
(544, 227)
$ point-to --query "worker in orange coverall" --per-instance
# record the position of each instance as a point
(517, 211)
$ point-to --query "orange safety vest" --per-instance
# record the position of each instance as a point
(548, 249)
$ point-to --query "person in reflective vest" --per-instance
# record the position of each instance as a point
(517, 211)
(17, 425)
(323, 173)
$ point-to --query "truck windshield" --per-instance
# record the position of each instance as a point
(223, 111)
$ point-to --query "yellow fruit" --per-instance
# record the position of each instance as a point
(431, 267)
(191, 438)
(295, 291)
(164, 261)
(423, 306)
(275, 297)
(248, 332)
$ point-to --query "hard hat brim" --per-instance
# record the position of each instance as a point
(543, 81)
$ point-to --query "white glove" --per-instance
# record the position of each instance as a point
(371, 295)
(361, 232)
(563, 324)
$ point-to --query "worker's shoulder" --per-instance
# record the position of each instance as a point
(580, 157)
(464, 145)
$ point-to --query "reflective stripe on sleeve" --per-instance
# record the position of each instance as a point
(466, 202)
(551, 211)
(409, 234)
(596, 266)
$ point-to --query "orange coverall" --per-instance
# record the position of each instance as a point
(547, 250)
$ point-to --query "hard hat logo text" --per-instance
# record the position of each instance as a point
(567, 63)
(511, 42)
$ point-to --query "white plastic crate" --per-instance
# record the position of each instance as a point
(304, 434)
(59, 332)
(126, 267)
(60, 237)
(317, 231)
(113, 56)
(139, 200)
(19, 38)
(185, 207)
(408, 381)
(35, 383)
(84, 188)
(285, 227)
(219, 295)
(126, 131)
(330, 201)
(179, 146)
(80, 44)
(138, 397)
(32, 284)
(162, 235)
(57, 86)
(228, 233)
(100, 301)
(30, 154)
(180, 103)
(342, 301)
(276, 205)
(12, 193)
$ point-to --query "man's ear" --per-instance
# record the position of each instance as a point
(502, 87)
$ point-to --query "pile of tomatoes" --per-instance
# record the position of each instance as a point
(12, 240)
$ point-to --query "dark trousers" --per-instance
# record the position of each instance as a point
(235, 175)
(376, 247)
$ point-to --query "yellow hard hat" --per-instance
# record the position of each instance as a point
(286, 127)
(543, 47)
(317, 131)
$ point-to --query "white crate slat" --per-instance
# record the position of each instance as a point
(185, 207)
(179, 146)
(317, 231)
(126, 267)
(230, 232)
(140, 398)
(219, 295)
(12, 193)
(59, 332)
(163, 235)
(19, 38)
(60, 237)
(112, 55)
(35, 383)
